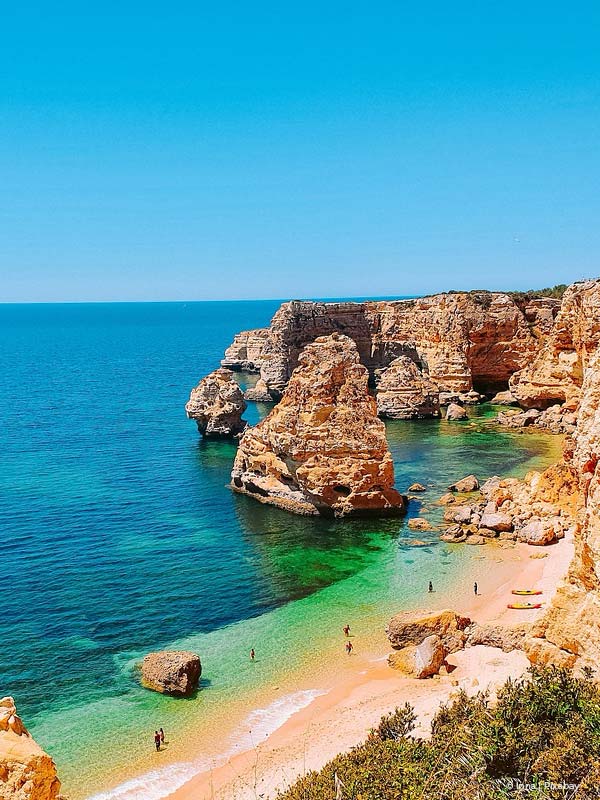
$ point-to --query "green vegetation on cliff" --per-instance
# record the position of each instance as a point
(540, 740)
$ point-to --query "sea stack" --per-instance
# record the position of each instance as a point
(217, 405)
(322, 449)
(26, 771)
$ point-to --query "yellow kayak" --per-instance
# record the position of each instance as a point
(526, 592)
(524, 605)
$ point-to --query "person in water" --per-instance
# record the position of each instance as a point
(162, 736)
(347, 630)
(475, 588)
(157, 740)
(349, 647)
(430, 586)
(252, 654)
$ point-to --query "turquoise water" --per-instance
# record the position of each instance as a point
(120, 536)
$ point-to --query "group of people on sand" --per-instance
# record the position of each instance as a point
(159, 739)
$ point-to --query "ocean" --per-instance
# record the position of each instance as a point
(120, 536)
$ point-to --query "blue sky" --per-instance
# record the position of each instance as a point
(225, 150)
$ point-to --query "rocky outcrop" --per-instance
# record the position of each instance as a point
(26, 771)
(175, 672)
(217, 405)
(420, 661)
(569, 633)
(404, 392)
(322, 449)
(458, 339)
(468, 484)
(555, 375)
(537, 510)
(555, 419)
(246, 351)
(413, 627)
(504, 637)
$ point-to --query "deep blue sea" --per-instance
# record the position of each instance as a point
(120, 536)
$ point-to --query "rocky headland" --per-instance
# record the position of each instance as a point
(322, 449)
(26, 771)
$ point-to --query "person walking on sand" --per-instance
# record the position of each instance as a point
(157, 740)
(346, 630)
(349, 647)
(252, 654)
(475, 588)
(430, 587)
(162, 736)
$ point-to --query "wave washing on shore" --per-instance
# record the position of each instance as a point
(260, 723)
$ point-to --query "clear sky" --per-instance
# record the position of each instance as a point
(238, 150)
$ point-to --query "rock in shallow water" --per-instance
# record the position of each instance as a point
(174, 672)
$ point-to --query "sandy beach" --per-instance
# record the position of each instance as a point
(352, 704)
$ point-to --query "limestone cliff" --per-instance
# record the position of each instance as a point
(26, 772)
(569, 633)
(217, 405)
(322, 449)
(556, 373)
(404, 392)
(245, 352)
(459, 339)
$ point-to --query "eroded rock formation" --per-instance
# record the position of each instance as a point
(217, 405)
(175, 672)
(322, 449)
(556, 373)
(459, 338)
(26, 771)
(404, 392)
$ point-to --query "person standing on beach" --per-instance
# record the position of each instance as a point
(475, 588)
(346, 630)
(157, 740)
(162, 736)
(252, 654)
(349, 647)
(430, 587)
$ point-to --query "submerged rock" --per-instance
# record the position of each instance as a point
(174, 672)
(217, 405)
(322, 449)
(26, 771)
(417, 487)
(456, 412)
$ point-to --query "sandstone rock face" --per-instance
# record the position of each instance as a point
(404, 392)
(456, 412)
(569, 633)
(503, 637)
(245, 352)
(458, 339)
(413, 627)
(556, 373)
(174, 672)
(468, 484)
(217, 405)
(322, 449)
(26, 772)
(503, 399)
(420, 661)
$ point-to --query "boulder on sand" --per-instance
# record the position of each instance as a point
(413, 627)
(174, 672)
(420, 661)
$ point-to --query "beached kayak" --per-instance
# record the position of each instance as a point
(526, 592)
(524, 605)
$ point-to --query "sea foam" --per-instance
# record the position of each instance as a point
(259, 724)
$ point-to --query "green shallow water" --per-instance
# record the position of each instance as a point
(120, 537)
(331, 572)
